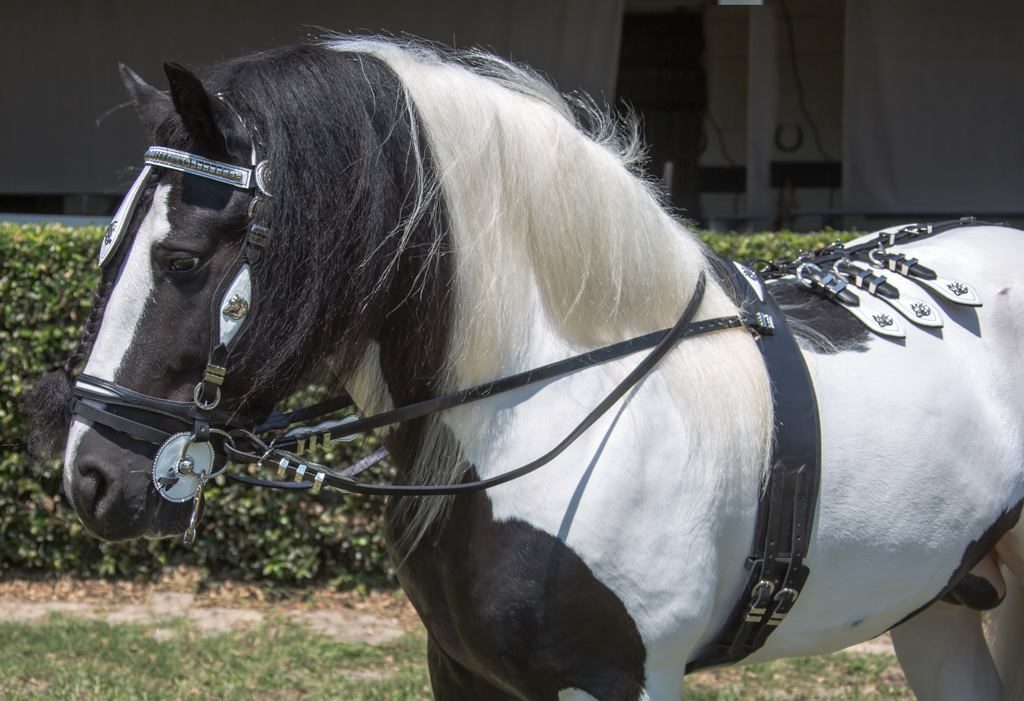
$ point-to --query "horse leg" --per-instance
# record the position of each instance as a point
(1006, 630)
(663, 685)
(981, 589)
(451, 681)
(944, 654)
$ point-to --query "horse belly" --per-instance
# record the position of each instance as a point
(922, 455)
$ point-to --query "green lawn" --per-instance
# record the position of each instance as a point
(93, 661)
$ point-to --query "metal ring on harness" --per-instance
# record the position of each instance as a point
(205, 406)
(873, 256)
(804, 267)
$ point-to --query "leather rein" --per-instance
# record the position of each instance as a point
(97, 400)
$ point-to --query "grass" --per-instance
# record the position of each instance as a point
(66, 658)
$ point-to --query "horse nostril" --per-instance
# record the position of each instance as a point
(92, 487)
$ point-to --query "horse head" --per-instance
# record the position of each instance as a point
(270, 237)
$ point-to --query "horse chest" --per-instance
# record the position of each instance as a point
(518, 607)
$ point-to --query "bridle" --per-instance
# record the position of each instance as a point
(185, 459)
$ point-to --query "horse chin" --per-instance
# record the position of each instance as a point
(113, 506)
(158, 524)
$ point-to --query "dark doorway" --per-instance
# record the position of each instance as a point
(661, 74)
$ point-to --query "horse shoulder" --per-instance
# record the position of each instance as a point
(512, 604)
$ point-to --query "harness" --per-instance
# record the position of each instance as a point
(186, 459)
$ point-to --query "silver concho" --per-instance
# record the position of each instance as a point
(263, 177)
(179, 477)
(236, 308)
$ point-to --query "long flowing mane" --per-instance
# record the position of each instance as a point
(547, 211)
(511, 227)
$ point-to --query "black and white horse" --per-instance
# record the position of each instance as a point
(438, 221)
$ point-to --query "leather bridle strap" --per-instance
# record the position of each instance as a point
(318, 475)
(88, 410)
(507, 384)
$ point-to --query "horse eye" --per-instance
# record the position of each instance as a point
(183, 265)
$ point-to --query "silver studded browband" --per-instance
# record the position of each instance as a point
(185, 162)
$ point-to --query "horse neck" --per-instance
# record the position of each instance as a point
(556, 248)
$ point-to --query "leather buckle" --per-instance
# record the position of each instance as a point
(784, 601)
(760, 596)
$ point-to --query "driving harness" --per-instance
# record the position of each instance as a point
(186, 460)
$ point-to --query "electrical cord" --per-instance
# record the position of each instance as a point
(801, 96)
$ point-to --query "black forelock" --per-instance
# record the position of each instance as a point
(340, 140)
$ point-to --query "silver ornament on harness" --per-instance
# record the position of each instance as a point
(181, 467)
(236, 308)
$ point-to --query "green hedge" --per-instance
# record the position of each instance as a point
(47, 276)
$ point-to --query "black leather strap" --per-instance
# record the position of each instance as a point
(668, 339)
(541, 374)
(88, 410)
(785, 511)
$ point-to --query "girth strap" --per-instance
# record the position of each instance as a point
(785, 509)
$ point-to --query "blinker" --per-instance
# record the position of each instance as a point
(123, 217)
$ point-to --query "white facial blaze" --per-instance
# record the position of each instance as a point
(124, 309)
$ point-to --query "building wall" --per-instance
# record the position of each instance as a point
(818, 32)
(934, 107)
(61, 131)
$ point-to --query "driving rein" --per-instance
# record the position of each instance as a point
(187, 459)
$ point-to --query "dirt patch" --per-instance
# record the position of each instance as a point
(373, 617)
(882, 645)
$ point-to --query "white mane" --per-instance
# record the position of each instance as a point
(554, 235)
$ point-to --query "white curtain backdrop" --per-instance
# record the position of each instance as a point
(59, 63)
(934, 106)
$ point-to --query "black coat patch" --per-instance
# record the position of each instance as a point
(840, 329)
(514, 613)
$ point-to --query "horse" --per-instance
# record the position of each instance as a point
(430, 220)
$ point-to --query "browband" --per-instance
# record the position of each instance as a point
(237, 176)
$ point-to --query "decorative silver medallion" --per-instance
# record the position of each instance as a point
(920, 309)
(236, 308)
(181, 467)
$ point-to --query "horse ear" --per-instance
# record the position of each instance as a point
(151, 104)
(195, 108)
